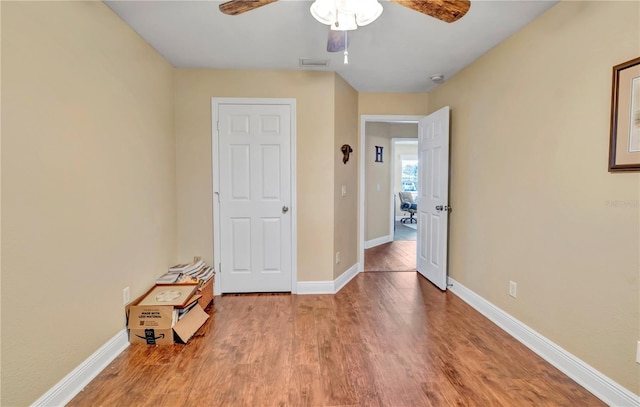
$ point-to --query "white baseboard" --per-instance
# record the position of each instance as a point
(315, 287)
(591, 379)
(67, 388)
(328, 287)
(345, 277)
(378, 241)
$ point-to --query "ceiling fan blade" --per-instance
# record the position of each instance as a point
(337, 41)
(445, 10)
(235, 7)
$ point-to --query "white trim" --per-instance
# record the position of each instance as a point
(328, 287)
(392, 188)
(67, 388)
(215, 102)
(361, 179)
(378, 241)
(315, 287)
(344, 278)
(591, 379)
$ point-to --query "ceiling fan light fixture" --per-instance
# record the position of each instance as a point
(324, 11)
(344, 15)
(369, 11)
(344, 22)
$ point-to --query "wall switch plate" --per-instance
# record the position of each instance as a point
(638, 353)
(337, 257)
(344, 190)
(513, 288)
(126, 296)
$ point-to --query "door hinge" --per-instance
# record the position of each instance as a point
(218, 125)
(220, 268)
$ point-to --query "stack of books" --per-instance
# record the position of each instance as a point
(169, 278)
(198, 272)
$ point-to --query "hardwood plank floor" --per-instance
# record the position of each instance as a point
(386, 339)
(399, 255)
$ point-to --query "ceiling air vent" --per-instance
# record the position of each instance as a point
(313, 63)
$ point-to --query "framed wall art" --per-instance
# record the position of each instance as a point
(624, 142)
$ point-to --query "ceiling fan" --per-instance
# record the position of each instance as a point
(328, 12)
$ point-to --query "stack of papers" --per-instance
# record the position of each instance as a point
(198, 272)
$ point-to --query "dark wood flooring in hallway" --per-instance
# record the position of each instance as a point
(386, 339)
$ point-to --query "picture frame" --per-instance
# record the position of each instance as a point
(176, 295)
(624, 141)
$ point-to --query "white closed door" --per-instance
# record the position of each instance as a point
(254, 155)
(433, 197)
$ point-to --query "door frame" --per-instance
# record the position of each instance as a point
(215, 161)
(361, 178)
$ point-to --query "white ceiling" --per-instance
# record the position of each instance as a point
(396, 53)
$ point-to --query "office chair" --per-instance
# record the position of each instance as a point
(408, 205)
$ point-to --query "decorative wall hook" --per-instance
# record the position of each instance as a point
(346, 150)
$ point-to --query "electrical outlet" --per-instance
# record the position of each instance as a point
(337, 257)
(125, 296)
(638, 353)
(513, 287)
(344, 190)
(196, 259)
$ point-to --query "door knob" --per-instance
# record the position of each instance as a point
(285, 209)
(439, 208)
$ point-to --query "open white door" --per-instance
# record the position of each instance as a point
(433, 197)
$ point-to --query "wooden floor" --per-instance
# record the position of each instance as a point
(399, 255)
(386, 339)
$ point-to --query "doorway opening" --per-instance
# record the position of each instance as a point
(404, 179)
(387, 243)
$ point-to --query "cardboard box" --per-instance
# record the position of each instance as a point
(207, 294)
(159, 324)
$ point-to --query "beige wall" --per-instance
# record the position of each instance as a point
(393, 103)
(314, 94)
(345, 207)
(88, 185)
(533, 201)
(377, 202)
(403, 130)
